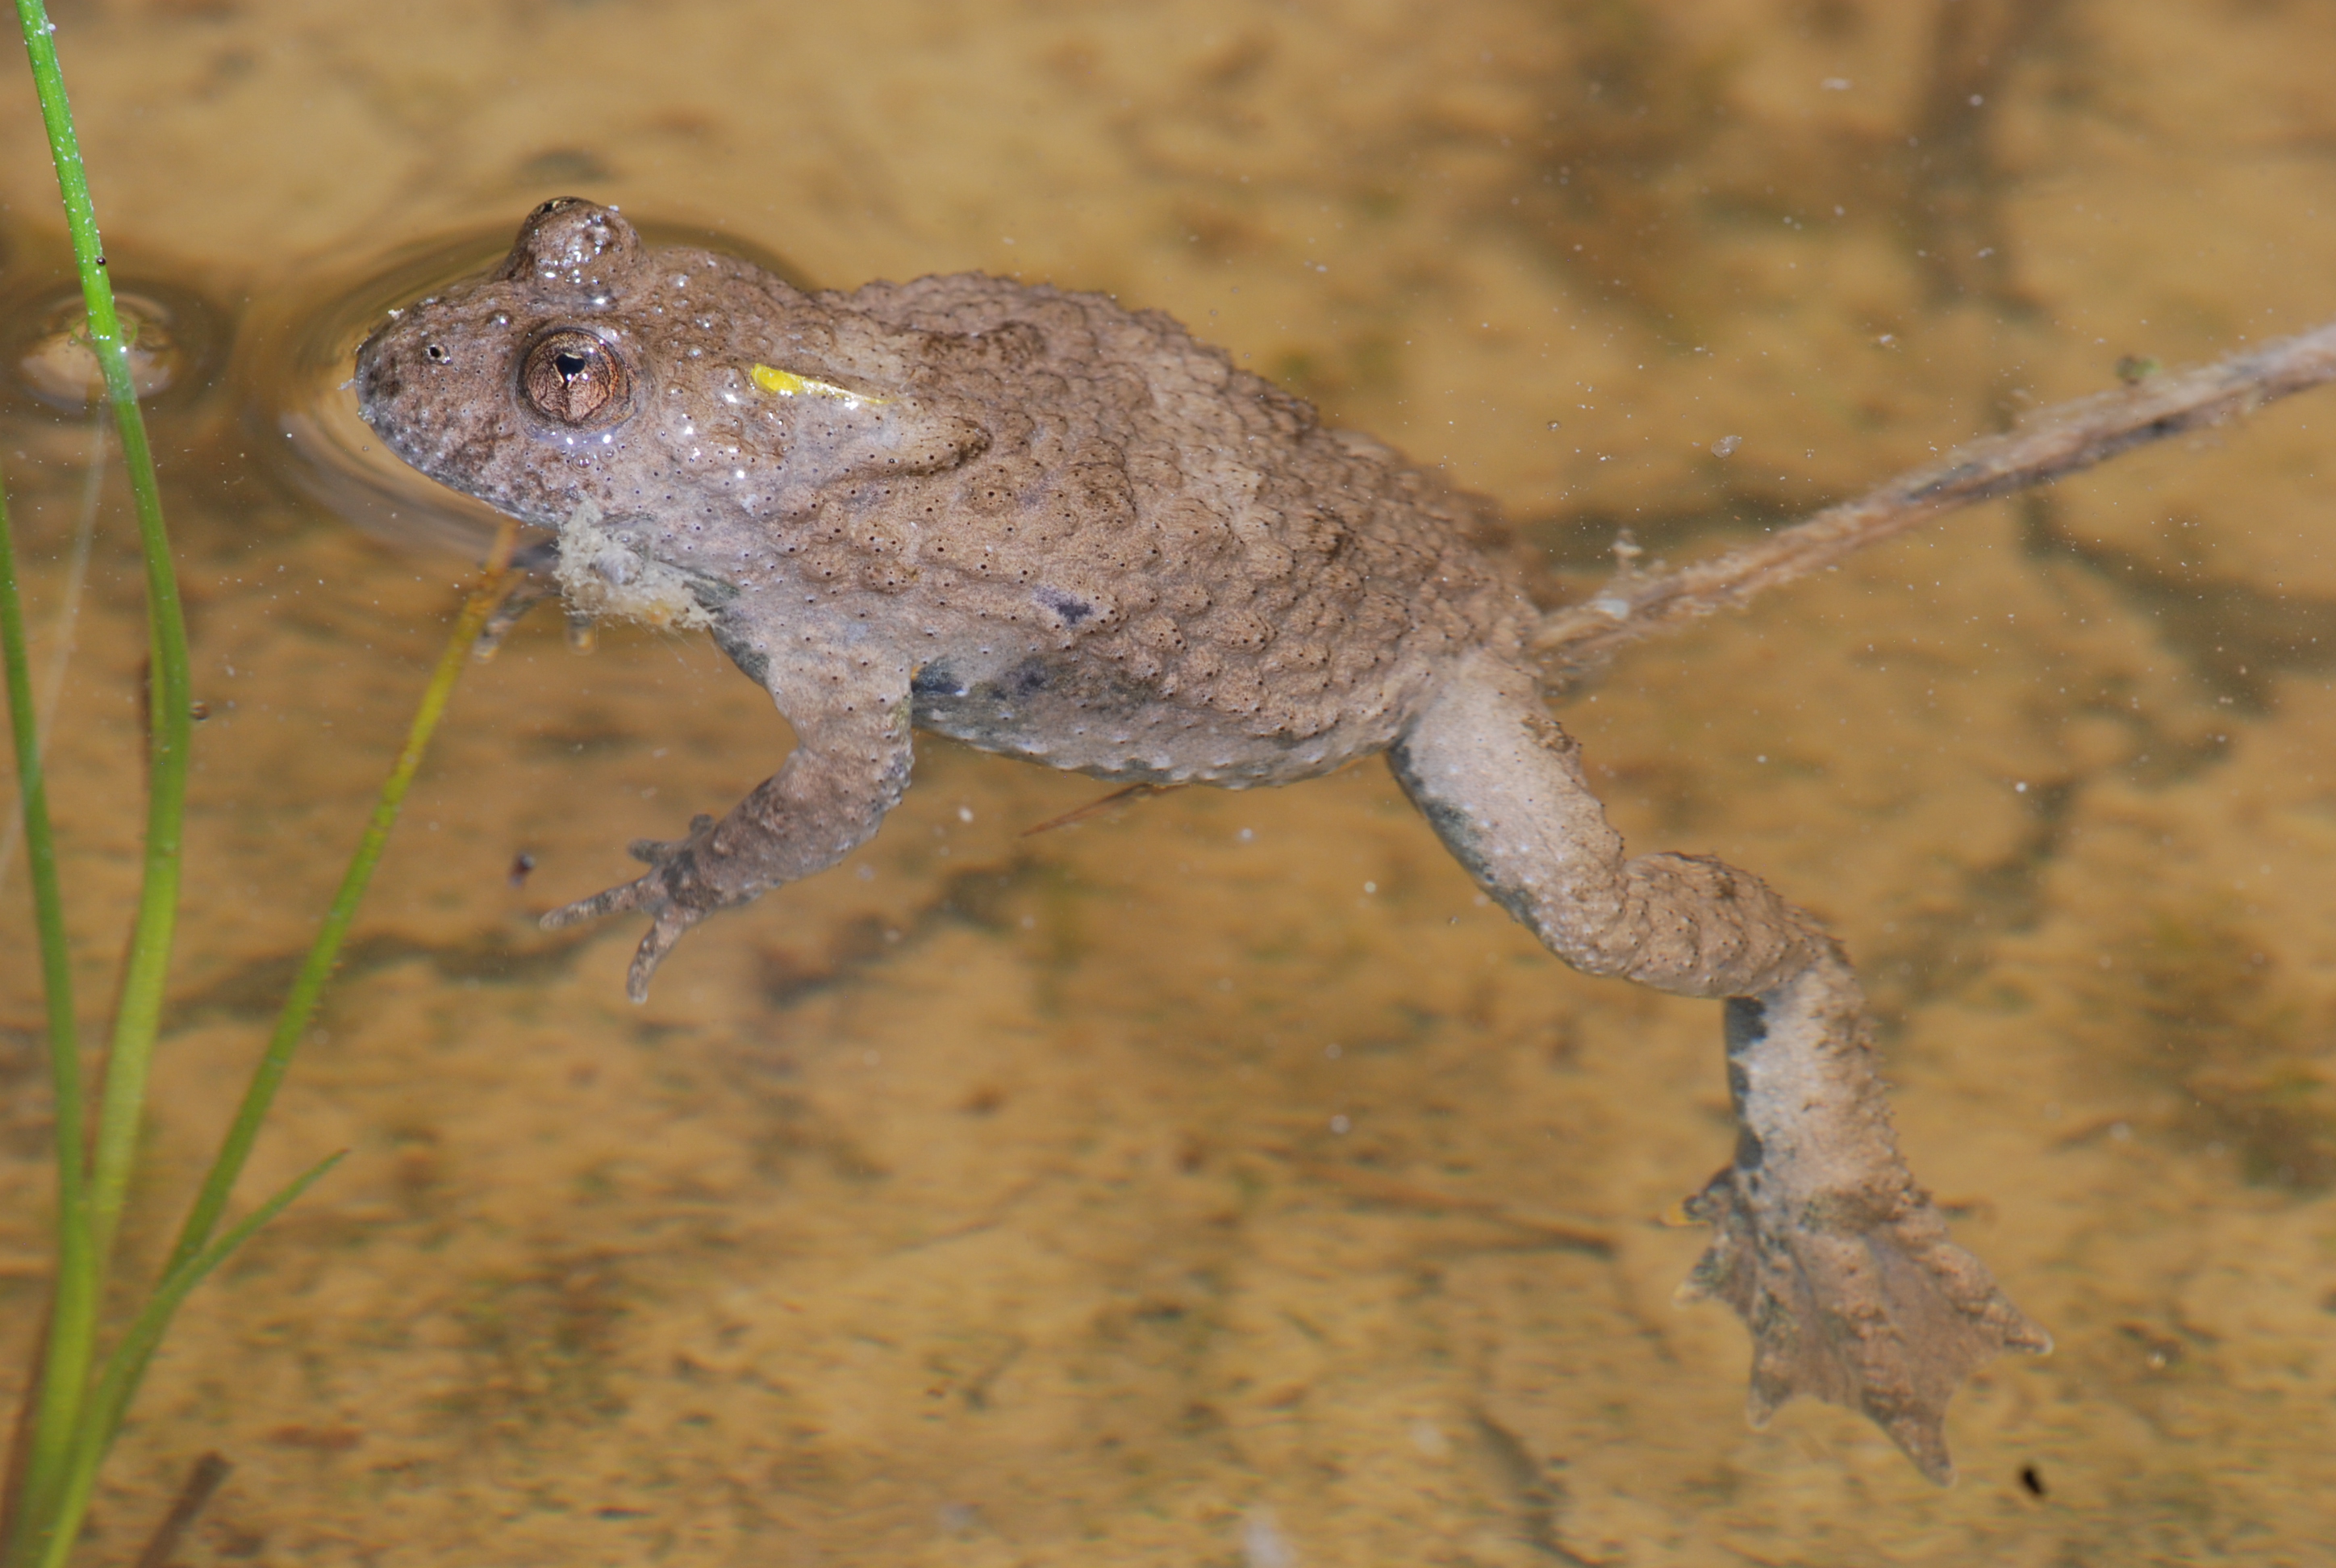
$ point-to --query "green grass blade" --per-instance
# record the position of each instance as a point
(139, 1011)
(75, 1423)
(72, 1312)
(127, 1366)
(300, 1004)
(196, 1253)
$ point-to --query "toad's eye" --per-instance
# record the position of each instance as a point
(575, 378)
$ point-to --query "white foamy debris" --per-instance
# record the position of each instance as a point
(606, 569)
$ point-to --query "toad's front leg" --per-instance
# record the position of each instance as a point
(849, 766)
(1836, 1259)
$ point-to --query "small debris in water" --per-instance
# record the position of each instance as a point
(1262, 1544)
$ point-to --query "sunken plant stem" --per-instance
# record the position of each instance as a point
(210, 1472)
(201, 1247)
(2055, 441)
(301, 1005)
(196, 1253)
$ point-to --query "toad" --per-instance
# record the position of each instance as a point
(1050, 526)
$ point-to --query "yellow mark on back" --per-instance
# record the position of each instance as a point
(787, 384)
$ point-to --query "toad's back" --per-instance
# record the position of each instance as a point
(1183, 521)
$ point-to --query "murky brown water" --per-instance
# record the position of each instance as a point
(981, 1201)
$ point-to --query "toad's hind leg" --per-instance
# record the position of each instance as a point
(1837, 1262)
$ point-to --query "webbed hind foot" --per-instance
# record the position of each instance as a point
(1862, 1302)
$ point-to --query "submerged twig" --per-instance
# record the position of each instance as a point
(2051, 442)
(209, 1473)
(1134, 791)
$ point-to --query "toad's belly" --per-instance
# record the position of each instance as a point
(1070, 714)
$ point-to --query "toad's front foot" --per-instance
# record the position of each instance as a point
(1861, 1301)
(676, 894)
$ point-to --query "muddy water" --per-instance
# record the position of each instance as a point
(1218, 1180)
